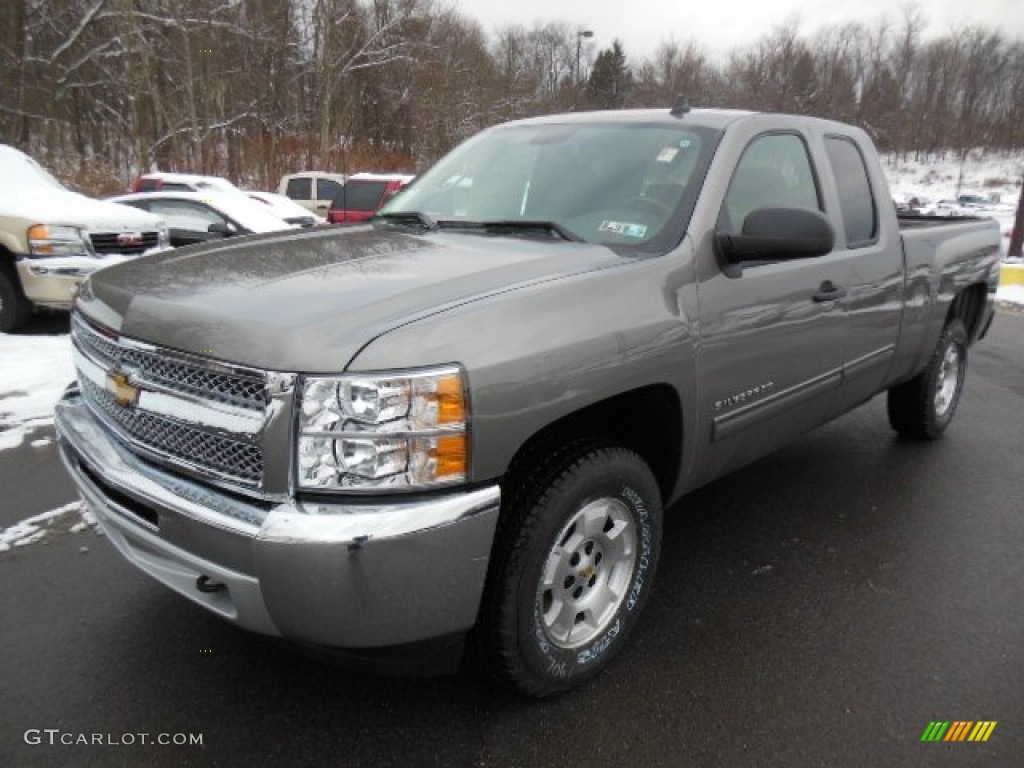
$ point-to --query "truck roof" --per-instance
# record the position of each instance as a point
(711, 118)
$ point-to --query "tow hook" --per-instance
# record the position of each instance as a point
(206, 584)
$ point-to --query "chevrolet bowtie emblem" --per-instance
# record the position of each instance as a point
(119, 385)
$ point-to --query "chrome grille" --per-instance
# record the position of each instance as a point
(108, 242)
(193, 379)
(209, 421)
(237, 460)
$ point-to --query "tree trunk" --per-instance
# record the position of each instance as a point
(195, 165)
(22, 131)
(1017, 237)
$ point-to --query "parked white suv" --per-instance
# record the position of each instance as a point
(313, 190)
(51, 238)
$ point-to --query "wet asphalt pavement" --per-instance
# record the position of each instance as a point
(817, 608)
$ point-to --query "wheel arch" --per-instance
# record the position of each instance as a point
(968, 306)
(647, 420)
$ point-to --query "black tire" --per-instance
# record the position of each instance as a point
(15, 309)
(563, 510)
(923, 407)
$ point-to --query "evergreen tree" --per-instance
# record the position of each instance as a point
(610, 78)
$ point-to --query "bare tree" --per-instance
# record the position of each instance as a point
(251, 89)
(676, 70)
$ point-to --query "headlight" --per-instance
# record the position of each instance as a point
(403, 430)
(46, 240)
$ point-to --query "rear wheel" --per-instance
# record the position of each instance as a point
(573, 566)
(15, 309)
(923, 407)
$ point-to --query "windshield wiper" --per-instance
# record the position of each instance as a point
(506, 226)
(406, 218)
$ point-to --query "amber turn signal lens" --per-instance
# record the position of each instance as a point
(451, 403)
(451, 456)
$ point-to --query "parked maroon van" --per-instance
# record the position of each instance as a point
(363, 194)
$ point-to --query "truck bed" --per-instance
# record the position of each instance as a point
(941, 256)
(920, 221)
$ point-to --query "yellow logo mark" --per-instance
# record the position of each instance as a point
(119, 385)
(959, 730)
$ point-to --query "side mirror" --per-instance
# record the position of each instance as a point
(773, 234)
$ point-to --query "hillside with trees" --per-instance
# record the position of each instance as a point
(252, 89)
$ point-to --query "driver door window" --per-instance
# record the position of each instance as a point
(774, 171)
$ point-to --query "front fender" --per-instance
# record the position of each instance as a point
(545, 351)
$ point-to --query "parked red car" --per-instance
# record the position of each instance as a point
(363, 194)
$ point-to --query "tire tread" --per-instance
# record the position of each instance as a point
(910, 405)
(534, 479)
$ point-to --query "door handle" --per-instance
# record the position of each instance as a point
(828, 291)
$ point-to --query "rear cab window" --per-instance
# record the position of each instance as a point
(856, 197)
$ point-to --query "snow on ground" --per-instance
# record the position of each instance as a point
(34, 370)
(1011, 294)
(995, 176)
(33, 529)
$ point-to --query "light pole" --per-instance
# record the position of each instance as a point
(580, 34)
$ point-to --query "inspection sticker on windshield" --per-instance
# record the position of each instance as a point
(624, 228)
(667, 155)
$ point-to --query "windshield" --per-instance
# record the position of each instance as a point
(19, 171)
(626, 184)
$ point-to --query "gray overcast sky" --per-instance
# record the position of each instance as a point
(721, 25)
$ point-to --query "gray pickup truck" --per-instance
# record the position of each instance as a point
(464, 419)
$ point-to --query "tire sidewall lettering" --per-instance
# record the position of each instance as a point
(564, 663)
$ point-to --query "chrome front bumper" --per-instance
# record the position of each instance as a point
(53, 282)
(341, 574)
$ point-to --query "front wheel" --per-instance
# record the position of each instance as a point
(573, 566)
(923, 407)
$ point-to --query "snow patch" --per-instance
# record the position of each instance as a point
(35, 528)
(88, 521)
(1011, 294)
(992, 175)
(34, 370)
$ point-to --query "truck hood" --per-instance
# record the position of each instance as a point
(61, 207)
(308, 302)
